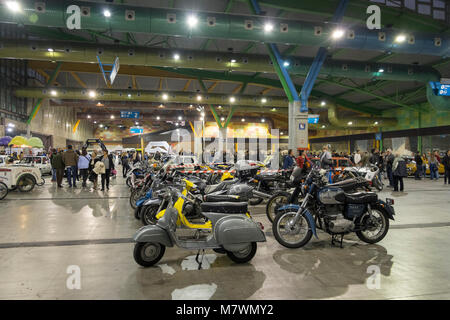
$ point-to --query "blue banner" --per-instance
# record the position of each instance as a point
(129, 114)
(136, 130)
(440, 89)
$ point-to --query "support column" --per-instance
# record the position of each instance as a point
(298, 127)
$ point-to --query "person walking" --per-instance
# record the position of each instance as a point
(70, 159)
(419, 163)
(93, 175)
(83, 165)
(125, 165)
(433, 164)
(58, 165)
(389, 163)
(399, 172)
(446, 163)
(109, 165)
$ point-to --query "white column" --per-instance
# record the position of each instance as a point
(298, 126)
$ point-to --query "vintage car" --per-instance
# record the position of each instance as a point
(22, 177)
(41, 162)
(411, 166)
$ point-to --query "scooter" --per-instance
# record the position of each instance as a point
(229, 229)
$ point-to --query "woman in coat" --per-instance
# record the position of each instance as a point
(107, 160)
(399, 171)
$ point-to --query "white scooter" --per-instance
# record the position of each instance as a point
(370, 173)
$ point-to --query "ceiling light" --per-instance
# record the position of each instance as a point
(400, 38)
(53, 93)
(12, 125)
(232, 99)
(381, 70)
(376, 122)
(95, 121)
(263, 100)
(274, 109)
(176, 56)
(165, 96)
(199, 98)
(129, 95)
(243, 120)
(286, 64)
(350, 123)
(192, 21)
(268, 27)
(191, 106)
(92, 94)
(88, 116)
(158, 118)
(180, 118)
(337, 34)
(263, 120)
(9, 129)
(323, 103)
(50, 50)
(14, 6)
(176, 124)
(281, 133)
(222, 119)
(323, 126)
(107, 13)
(233, 60)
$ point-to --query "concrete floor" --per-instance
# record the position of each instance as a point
(44, 232)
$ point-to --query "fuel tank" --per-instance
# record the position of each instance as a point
(331, 195)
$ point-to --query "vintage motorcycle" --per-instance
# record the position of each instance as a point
(334, 211)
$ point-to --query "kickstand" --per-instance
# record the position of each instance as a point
(334, 238)
(201, 261)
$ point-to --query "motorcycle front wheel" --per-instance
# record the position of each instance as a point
(135, 195)
(3, 190)
(244, 255)
(373, 228)
(275, 202)
(289, 234)
(148, 254)
(148, 214)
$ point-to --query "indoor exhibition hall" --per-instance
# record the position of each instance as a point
(233, 150)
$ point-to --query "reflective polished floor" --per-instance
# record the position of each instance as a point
(48, 233)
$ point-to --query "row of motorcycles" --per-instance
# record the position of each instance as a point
(214, 214)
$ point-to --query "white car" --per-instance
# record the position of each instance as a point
(41, 162)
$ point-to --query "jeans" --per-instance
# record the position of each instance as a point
(390, 177)
(105, 178)
(398, 179)
(53, 174)
(72, 175)
(418, 172)
(125, 169)
(433, 172)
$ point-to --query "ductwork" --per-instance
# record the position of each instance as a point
(174, 22)
(152, 96)
(439, 103)
(87, 53)
(353, 122)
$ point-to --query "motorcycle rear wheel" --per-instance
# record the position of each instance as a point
(244, 255)
(274, 202)
(148, 214)
(148, 254)
(382, 218)
(280, 232)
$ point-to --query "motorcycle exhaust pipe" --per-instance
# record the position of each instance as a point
(261, 194)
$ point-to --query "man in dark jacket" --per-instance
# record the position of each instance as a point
(389, 162)
(288, 161)
(58, 165)
(419, 163)
(446, 163)
(399, 171)
(70, 159)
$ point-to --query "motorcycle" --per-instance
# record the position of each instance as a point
(370, 173)
(334, 211)
(233, 234)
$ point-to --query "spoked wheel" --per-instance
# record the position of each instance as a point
(275, 202)
(135, 195)
(245, 255)
(148, 214)
(41, 183)
(291, 234)
(373, 228)
(147, 254)
(3, 190)
(26, 183)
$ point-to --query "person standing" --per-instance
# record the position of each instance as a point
(438, 163)
(58, 165)
(357, 157)
(399, 171)
(83, 166)
(325, 158)
(125, 165)
(93, 175)
(389, 163)
(288, 161)
(433, 164)
(446, 163)
(109, 165)
(70, 159)
(52, 154)
(419, 163)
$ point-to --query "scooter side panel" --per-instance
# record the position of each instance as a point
(153, 233)
(237, 229)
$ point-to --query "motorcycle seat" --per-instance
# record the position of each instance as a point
(222, 198)
(348, 184)
(219, 186)
(361, 197)
(225, 207)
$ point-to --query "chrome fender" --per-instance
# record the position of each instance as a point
(153, 233)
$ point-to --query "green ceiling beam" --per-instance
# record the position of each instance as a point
(290, 51)
(382, 57)
(211, 107)
(367, 86)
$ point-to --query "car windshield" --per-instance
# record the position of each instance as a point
(30, 160)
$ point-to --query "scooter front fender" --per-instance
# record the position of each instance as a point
(150, 202)
(153, 233)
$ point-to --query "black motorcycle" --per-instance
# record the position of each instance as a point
(334, 211)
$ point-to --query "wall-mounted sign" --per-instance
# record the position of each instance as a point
(313, 118)
(440, 89)
(378, 136)
(129, 114)
(301, 126)
(136, 130)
